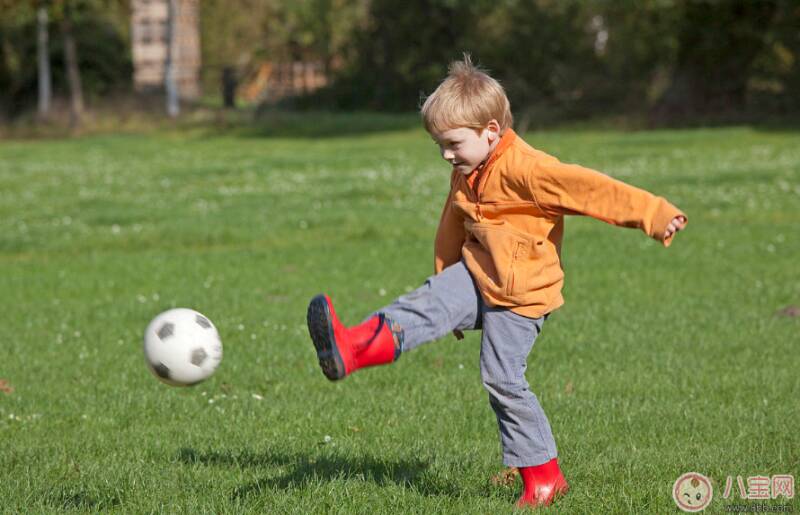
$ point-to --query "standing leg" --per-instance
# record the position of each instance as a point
(525, 433)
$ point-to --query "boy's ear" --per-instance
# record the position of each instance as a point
(493, 127)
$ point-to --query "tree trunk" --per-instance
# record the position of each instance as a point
(73, 72)
(228, 87)
(170, 79)
(43, 56)
(717, 45)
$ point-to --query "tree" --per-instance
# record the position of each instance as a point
(76, 103)
(395, 56)
(43, 60)
(170, 80)
(544, 55)
(718, 42)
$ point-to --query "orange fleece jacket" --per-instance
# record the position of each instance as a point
(508, 228)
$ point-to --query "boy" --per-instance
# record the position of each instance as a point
(497, 264)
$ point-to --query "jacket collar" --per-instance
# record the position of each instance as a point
(505, 142)
(508, 138)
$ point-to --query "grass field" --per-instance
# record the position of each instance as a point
(662, 361)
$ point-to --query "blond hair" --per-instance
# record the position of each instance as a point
(468, 97)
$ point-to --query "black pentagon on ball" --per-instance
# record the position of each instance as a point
(202, 322)
(167, 330)
(161, 370)
(199, 355)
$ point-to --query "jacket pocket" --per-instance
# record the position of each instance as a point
(520, 249)
(500, 250)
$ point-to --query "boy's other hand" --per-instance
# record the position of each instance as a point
(677, 224)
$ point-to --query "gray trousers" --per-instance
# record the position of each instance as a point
(450, 300)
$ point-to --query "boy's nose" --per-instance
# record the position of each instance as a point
(448, 155)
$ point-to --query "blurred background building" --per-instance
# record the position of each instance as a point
(150, 45)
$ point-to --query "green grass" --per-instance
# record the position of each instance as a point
(662, 361)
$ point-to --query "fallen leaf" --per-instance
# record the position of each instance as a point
(790, 311)
(6, 387)
(569, 388)
(505, 477)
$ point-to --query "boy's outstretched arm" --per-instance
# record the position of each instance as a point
(562, 189)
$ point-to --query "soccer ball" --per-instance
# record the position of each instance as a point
(182, 347)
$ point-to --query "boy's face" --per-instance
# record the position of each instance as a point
(466, 148)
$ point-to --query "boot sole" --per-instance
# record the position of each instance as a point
(320, 327)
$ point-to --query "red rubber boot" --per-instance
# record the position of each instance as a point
(342, 350)
(542, 484)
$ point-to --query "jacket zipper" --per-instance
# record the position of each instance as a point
(479, 181)
(475, 190)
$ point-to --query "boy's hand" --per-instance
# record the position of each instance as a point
(677, 224)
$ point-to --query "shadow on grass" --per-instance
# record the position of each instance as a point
(82, 500)
(322, 124)
(785, 126)
(305, 469)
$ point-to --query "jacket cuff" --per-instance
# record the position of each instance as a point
(664, 214)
